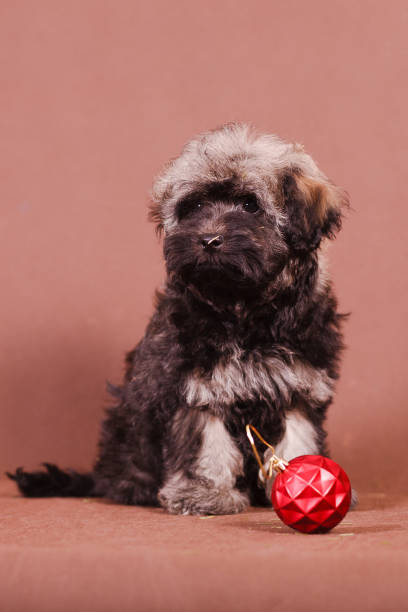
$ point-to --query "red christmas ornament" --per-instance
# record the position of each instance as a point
(311, 493)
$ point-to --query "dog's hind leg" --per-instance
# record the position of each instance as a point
(128, 468)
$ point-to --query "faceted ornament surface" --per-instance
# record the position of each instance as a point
(312, 494)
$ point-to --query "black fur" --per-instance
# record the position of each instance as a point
(53, 482)
(235, 295)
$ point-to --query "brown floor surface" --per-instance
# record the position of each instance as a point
(71, 555)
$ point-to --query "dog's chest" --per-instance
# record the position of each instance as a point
(252, 377)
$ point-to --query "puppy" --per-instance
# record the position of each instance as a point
(246, 330)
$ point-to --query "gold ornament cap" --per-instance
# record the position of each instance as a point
(274, 463)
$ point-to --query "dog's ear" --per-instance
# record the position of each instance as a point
(314, 209)
(155, 216)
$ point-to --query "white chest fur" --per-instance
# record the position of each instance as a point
(240, 379)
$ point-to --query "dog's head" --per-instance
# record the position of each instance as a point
(238, 206)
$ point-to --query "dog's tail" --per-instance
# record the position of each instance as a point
(54, 482)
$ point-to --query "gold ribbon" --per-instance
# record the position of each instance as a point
(274, 462)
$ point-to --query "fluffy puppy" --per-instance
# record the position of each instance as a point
(245, 331)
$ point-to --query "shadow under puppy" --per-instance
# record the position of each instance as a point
(246, 330)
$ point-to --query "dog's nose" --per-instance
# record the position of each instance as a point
(212, 242)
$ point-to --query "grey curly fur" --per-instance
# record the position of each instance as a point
(245, 330)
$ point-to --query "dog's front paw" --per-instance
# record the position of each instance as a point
(198, 503)
(182, 496)
(354, 499)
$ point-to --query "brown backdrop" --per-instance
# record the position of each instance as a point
(95, 97)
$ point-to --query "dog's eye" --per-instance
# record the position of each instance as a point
(188, 207)
(250, 205)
